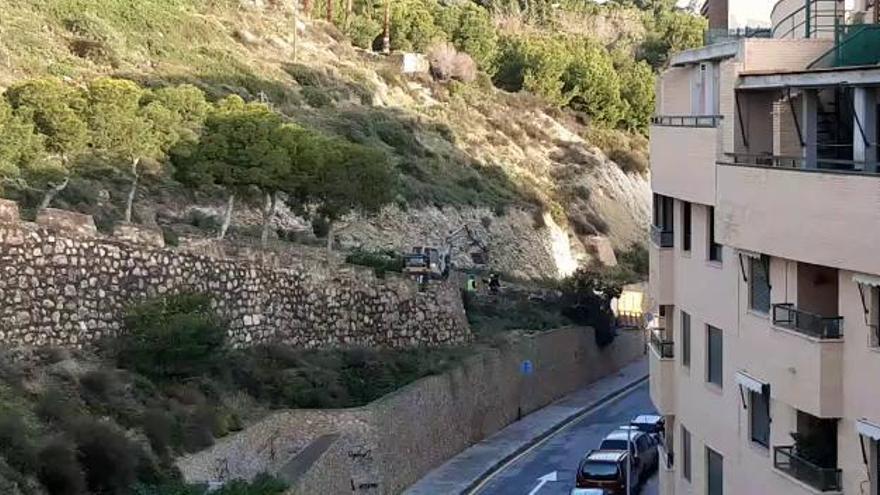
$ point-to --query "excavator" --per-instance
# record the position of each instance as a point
(426, 263)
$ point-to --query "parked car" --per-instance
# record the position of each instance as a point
(588, 491)
(642, 445)
(603, 470)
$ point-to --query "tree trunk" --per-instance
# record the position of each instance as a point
(386, 31)
(129, 204)
(349, 10)
(295, 28)
(268, 213)
(329, 10)
(227, 217)
(50, 194)
(330, 235)
(307, 7)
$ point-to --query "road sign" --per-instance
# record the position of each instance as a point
(527, 368)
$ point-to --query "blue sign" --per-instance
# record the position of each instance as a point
(527, 368)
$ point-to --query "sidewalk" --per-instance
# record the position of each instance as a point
(469, 467)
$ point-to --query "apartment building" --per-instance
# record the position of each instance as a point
(765, 267)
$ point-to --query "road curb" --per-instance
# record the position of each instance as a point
(550, 431)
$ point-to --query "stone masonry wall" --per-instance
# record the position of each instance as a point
(62, 284)
(386, 446)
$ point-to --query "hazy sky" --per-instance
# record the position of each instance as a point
(751, 12)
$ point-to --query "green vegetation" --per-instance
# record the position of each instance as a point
(113, 422)
(381, 261)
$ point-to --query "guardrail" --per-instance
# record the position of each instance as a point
(857, 47)
(786, 315)
(687, 120)
(809, 20)
(662, 238)
(662, 344)
(823, 479)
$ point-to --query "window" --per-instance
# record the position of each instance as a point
(714, 247)
(715, 356)
(759, 416)
(714, 472)
(685, 339)
(875, 316)
(685, 453)
(759, 284)
(685, 226)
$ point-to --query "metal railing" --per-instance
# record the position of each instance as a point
(662, 237)
(795, 162)
(664, 346)
(786, 315)
(809, 21)
(714, 36)
(823, 479)
(687, 120)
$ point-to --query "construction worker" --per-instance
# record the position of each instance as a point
(471, 284)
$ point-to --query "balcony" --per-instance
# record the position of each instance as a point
(662, 368)
(661, 237)
(786, 315)
(663, 345)
(819, 216)
(786, 460)
(683, 153)
(661, 274)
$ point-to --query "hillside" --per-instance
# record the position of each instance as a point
(519, 171)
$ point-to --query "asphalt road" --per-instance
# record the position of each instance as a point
(562, 452)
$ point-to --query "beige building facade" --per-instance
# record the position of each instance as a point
(764, 260)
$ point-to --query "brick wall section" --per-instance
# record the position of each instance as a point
(63, 289)
(386, 446)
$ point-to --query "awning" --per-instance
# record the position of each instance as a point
(869, 280)
(868, 429)
(749, 382)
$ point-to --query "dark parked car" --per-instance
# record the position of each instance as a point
(604, 470)
(642, 445)
(650, 423)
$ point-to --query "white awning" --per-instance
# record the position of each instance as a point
(748, 381)
(869, 280)
(749, 254)
(868, 429)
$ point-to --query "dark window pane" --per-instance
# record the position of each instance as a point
(759, 410)
(685, 339)
(759, 284)
(685, 453)
(715, 471)
(715, 351)
(714, 248)
(686, 226)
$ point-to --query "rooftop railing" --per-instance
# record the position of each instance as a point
(662, 237)
(687, 120)
(823, 479)
(786, 315)
(661, 342)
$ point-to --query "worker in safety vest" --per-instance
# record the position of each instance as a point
(471, 283)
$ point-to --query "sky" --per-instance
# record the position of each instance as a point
(752, 13)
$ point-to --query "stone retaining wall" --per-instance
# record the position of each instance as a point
(62, 284)
(386, 446)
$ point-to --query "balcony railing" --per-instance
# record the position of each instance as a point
(822, 479)
(662, 237)
(662, 344)
(786, 315)
(795, 162)
(687, 120)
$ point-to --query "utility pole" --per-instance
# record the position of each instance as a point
(386, 33)
(629, 456)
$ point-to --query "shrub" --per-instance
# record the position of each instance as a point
(109, 460)
(60, 471)
(630, 161)
(316, 97)
(174, 337)
(159, 427)
(363, 30)
(464, 68)
(15, 442)
(413, 26)
(263, 484)
(442, 59)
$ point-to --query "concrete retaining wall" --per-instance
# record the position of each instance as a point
(388, 445)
